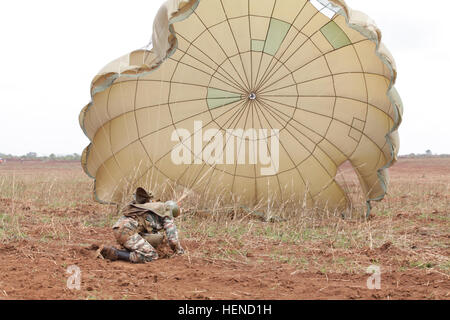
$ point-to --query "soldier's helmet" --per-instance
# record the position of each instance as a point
(141, 196)
(173, 208)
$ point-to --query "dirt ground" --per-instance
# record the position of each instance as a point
(48, 223)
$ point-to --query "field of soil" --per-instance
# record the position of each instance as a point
(49, 222)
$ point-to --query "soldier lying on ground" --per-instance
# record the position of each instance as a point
(137, 229)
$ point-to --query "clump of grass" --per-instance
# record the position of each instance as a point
(10, 228)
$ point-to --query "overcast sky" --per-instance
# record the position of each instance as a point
(51, 50)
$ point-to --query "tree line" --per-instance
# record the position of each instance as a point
(34, 156)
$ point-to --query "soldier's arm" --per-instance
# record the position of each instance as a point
(172, 235)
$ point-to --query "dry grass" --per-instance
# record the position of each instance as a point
(52, 203)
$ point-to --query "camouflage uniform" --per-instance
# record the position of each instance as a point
(138, 223)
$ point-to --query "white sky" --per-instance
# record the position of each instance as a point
(51, 50)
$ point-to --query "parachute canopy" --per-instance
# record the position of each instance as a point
(248, 101)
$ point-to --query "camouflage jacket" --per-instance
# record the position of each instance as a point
(147, 221)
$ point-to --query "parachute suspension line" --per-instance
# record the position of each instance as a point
(161, 81)
(149, 45)
(127, 128)
(124, 174)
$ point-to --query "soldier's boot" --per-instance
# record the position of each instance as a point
(123, 255)
(114, 254)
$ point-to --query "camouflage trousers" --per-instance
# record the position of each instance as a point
(127, 235)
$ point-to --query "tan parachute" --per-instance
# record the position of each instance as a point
(248, 101)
